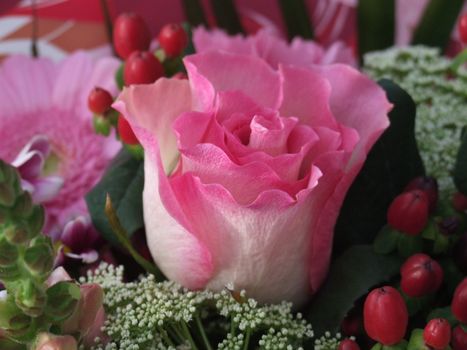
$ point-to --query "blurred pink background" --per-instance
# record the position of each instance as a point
(66, 25)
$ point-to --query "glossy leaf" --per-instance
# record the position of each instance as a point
(350, 277)
(392, 162)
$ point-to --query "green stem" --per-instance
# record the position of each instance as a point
(188, 336)
(166, 338)
(458, 61)
(122, 236)
(178, 333)
(247, 339)
(202, 332)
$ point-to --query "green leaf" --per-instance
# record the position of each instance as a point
(437, 23)
(119, 76)
(409, 245)
(443, 312)
(123, 181)
(227, 16)
(351, 276)
(194, 12)
(375, 25)
(460, 169)
(295, 15)
(392, 162)
(386, 240)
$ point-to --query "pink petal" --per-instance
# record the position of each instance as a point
(26, 85)
(58, 275)
(247, 74)
(262, 247)
(338, 52)
(244, 182)
(216, 39)
(68, 88)
(307, 97)
(276, 51)
(358, 103)
(46, 188)
(155, 107)
(177, 252)
(29, 164)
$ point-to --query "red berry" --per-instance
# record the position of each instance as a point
(142, 67)
(348, 344)
(459, 202)
(385, 315)
(427, 184)
(462, 26)
(437, 333)
(460, 253)
(408, 212)
(459, 302)
(99, 100)
(420, 275)
(130, 34)
(126, 132)
(173, 39)
(459, 339)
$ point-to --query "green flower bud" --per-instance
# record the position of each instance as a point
(9, 273)
(16, 234)
(7, 195)
(23, 206)
(39, 258)
(30, 299)
(8, 253)
(36, 220)
(62, 300)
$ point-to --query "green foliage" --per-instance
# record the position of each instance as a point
(194, 12)
(295, 15)
(350, 277)
(227, 16)
(26, 261)
(123, 181)
(437, 23)
(392, 162)
(375, 25)
(441, 114)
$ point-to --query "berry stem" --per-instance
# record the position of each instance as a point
(458, 61)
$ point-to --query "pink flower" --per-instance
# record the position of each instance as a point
(45, 124)
(246, 168)
(89, 316)
(273, 49)
(48, 341)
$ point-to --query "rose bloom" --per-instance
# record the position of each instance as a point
(46, 130)
(273, 49)
(246, 168)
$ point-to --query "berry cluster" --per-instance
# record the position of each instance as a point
(132, 42)
(428, 234)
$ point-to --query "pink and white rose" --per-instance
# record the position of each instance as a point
(247, 166)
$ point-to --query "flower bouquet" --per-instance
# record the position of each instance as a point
(209, 190)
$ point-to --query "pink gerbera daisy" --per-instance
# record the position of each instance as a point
(40, 98)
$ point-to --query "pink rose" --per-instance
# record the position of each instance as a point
(246, 169)
(47, 341)
(273, 49)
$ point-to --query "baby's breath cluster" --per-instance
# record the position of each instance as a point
(146, 314)
(328, 342)
(440, 98)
